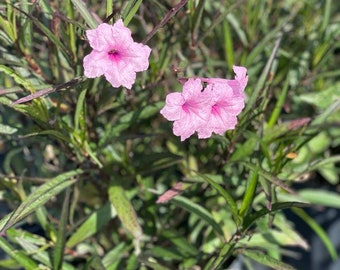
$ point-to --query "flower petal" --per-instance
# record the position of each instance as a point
(241, 76)
(106, 37)
(191, 89)
(95, 63)
(100, 38)
(120, 76)
(184, 127)
(224, 97)
(137, 54)
(172, 110)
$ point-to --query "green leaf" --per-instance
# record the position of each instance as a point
(115, 255)
(38, 198)
(268, 176)
(327, 112)
(85, 13)
(49, 34)
(58, 253)
(324, 98)
(321, 197)
(134, 117)
(53, 133)
(267, 260)
(272, 239)
(34, 245)
(318, 230)
(197, 210)
(250, 219)
(94, 264)
(92, 225)
(165, 253)
(225, 253)
(130, 11)
(125, 210)
(261, 88)
(26, 83)
(34, 251)
(36, 110)
(249, 194)
(5, 129)
(79, 116)
(196, 20)
(244, 150)
(228, 198)
(181, 243)
(18, 255)
(9, 29)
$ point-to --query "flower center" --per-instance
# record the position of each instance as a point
(185, 108)
(215, 109)
(114, 55)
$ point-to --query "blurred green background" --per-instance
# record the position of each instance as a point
(84, 165)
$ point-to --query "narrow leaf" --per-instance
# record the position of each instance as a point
(228, 198)
(224, 255)
(125, 211)
(318, 230)
(93, 224)
(132, 12)
(79, 117)
(249, 220)
(321, 197)
(85, 13)
(249, 194)
(4, 129)
(38, 198)
(198, 210)
(267, 260)
(53, 133)
(17, 255)
(58, 253)
(51, 36)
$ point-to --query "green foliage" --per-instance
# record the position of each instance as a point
(86, 162)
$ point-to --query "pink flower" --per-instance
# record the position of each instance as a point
(189, 109)
(115, 55)
(227, 103)
(238, 84)
(213, 110)
(225, 106)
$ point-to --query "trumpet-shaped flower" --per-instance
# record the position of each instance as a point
(115, 55)
(227, 103)
(189, 109)
(206, 111)
(225, 106)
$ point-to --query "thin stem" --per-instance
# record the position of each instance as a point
(172, 12)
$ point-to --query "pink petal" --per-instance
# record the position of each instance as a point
(95, 63)
(100, 38)
(222, 120)
(120, 77)
(219, 123)
(196, 101)
(174, 99)
(191, 89)
(224, 97)
(184, 127)
(138, 56)
(105, 37)
(241, 76)
(172, 110)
